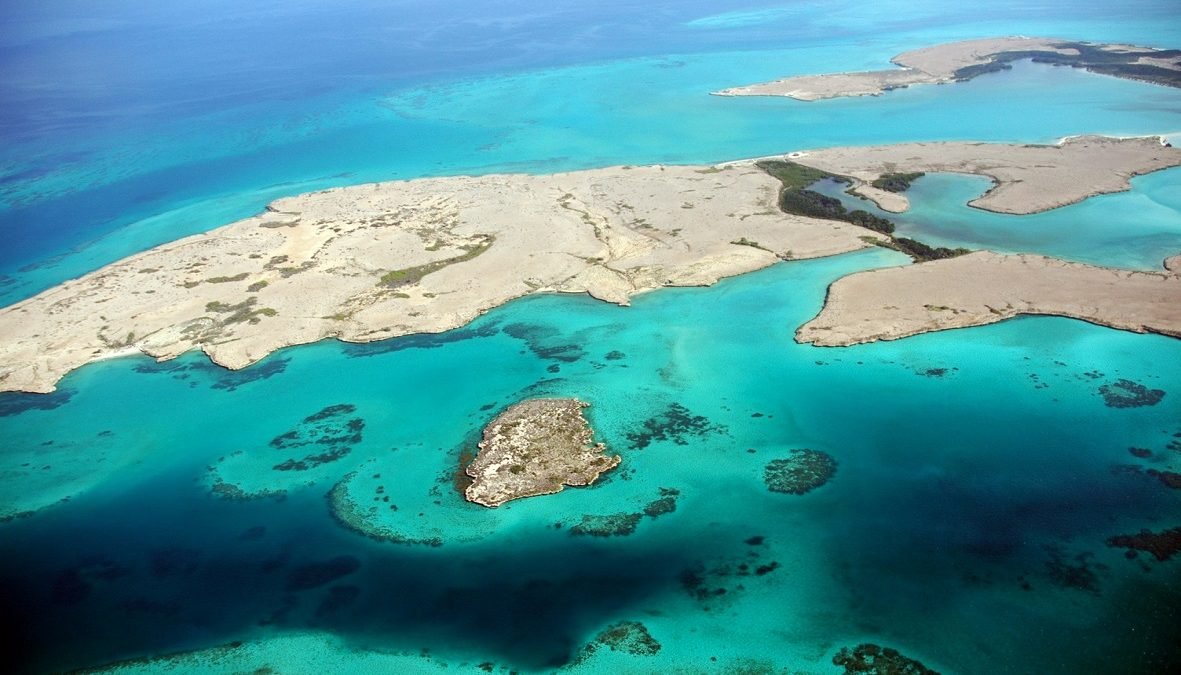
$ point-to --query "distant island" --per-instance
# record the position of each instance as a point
(377, 261)
(962, 61)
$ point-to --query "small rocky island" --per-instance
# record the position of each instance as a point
(536, 447)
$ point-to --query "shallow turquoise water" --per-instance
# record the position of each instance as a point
(952, 490)
(979, 472)
(1137, 229)
(631, 111)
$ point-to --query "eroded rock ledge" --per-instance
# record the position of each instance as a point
(961, 61)
(985, 287)
(536, 447)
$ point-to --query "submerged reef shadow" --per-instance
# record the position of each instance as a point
(419, 340)
(15, 403)
(530, 607)
(533, 609)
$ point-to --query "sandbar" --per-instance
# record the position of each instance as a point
(961, 61)
(986, 287)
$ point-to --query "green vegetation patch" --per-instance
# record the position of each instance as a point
(896, 182)
(796, 199)
(226, 280)
(1090, 57)
(412, 275)
(920, 251)
(244, 311)
(794, 175)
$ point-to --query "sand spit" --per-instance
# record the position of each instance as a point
(1028, 178)
(536, 447)
(376, 261)
(960, 61)
(985, 287)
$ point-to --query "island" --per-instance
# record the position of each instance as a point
(536, 447)
(985, 287)
(377, 261)
(1027, 178)
(962, 61)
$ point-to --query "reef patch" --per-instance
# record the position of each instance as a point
(1077, 571)
(542, 341)
(629, 637)
(675, 423)
(1124, 393)
(870, 659)
(331, 433)
(803, 471)
(351, 516)
(1162, 545)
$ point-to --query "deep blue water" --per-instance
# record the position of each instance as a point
(980, 473)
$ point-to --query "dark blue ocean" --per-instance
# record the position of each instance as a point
(983, 477)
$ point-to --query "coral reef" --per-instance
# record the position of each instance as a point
(631, 637)
(716, 584)
(674, 424)
(614, 525)
(870, 659)
(1076, 572)
(1162, 545)
(1125, 393)
(327, 433)
(351, 516)
(804, 471)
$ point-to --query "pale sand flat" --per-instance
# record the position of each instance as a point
(985, 287)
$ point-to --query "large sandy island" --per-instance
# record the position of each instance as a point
(377, 261)
(958, 61)
(985, 287)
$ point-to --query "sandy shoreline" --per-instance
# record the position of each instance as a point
(376, 261)
(985, 287)
(959, 61)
